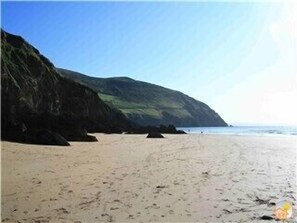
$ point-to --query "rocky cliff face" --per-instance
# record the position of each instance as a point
(36, 98)
(149, 104)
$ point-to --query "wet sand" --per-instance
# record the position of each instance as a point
(128, 178)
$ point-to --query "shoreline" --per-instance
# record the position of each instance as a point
(131, 178)
(243, 130)
(242, 134)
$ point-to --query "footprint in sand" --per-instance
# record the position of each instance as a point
(112, 208)
(131, 216)
(62, 210)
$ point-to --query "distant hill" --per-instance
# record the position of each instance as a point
(38, 105)
(149, 104)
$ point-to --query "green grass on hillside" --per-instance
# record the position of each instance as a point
(153, 109)
(149, 104)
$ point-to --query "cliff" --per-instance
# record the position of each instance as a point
(41, 106)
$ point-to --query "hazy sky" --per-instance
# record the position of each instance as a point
(239, 58)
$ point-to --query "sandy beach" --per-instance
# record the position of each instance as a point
(128, 178)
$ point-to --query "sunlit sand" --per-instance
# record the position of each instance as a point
(131, 178)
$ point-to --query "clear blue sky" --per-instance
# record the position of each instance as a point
(236, 57)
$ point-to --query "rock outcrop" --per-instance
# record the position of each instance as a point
(170, 129)
(155, 135)
(37, 101)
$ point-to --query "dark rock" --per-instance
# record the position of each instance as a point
(170, 129)
(154, 135)
(114, 131)
(34, 95)
(45, 137)
(265, 217)
(77, 134)
(37, 136)
(87, 138)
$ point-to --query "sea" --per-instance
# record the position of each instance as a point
(243, 130)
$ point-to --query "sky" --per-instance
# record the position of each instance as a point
(239, 58)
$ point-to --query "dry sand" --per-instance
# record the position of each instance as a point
(205, 178)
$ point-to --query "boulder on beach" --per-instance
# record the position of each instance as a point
(155, 135)
(170, 129)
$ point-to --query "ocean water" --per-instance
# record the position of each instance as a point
(243, 130)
